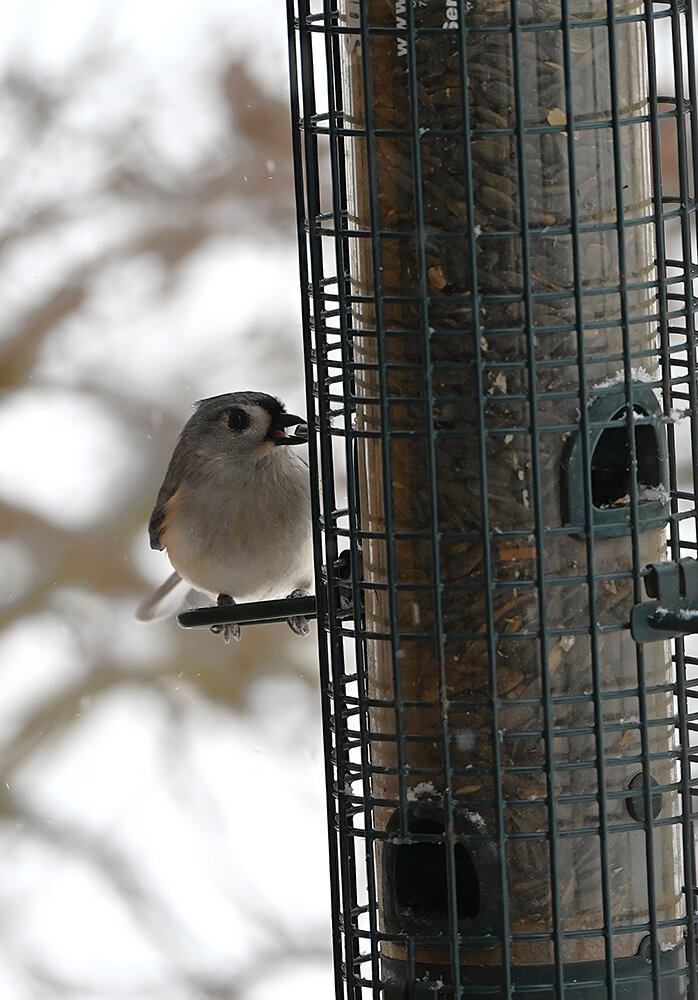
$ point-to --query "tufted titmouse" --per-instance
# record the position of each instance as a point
(233, 511)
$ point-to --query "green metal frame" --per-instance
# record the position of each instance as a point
(380, 351)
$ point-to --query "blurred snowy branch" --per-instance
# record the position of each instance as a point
(161, 815)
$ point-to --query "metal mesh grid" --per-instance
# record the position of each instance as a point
(498, 300)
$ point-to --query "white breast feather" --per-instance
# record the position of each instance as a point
(248, 535)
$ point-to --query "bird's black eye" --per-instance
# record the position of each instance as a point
(238, 420)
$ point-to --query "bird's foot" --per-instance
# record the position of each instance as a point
(229, 631)
(299, 623)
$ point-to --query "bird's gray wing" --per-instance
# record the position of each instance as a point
(170, 485)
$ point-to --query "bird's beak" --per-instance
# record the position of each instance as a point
(277, 432)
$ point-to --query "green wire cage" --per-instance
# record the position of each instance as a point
(496, 206)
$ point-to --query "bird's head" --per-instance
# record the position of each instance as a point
(245, 425)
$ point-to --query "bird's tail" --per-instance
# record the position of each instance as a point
(162, 602)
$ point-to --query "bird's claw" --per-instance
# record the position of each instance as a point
(230, 630)
(298, 623)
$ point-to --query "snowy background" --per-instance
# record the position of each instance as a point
(162, 818)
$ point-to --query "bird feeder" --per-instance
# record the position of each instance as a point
(499, 321)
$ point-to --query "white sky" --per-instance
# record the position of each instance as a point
(51, 35)
(195, 813)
